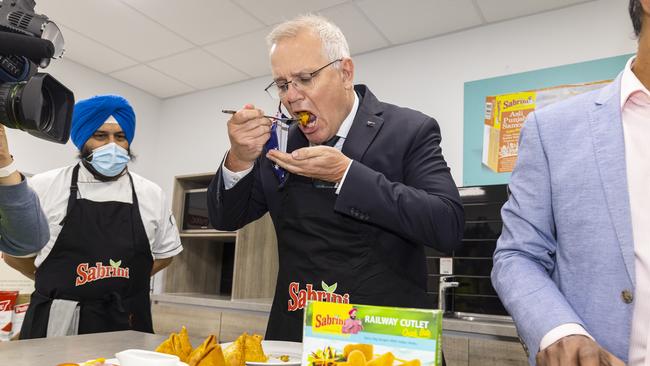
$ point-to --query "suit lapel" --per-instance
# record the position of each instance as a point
(365, 126)
(609, 148)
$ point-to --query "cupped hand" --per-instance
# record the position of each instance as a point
(319, 162)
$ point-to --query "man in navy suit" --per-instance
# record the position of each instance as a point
(572, 265)
(362, 188)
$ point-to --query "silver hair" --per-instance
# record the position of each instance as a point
(335, 45)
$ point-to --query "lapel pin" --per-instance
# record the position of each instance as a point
(370, 124)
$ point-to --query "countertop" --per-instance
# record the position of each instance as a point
(480, 327)
(53, 351)
(487, 328)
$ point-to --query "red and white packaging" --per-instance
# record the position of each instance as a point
(7, 304)
(17, 320)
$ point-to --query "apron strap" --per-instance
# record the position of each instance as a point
(74, 189)
(134, 197)
(73, 192)
(135, 210)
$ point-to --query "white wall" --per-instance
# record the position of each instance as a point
(187, 134)
(34, 155)
(426, 75)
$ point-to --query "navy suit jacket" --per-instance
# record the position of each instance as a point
(398, 182)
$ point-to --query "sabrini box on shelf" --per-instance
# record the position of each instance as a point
(360, 335)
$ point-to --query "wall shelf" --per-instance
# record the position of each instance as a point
(222, 279)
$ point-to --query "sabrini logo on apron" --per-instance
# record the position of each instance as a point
(86, 274)
(298, 298)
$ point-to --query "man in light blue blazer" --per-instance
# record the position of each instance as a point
(572, 265)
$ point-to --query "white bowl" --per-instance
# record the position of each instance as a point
(139, 357)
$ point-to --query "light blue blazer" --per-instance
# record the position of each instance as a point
(566, 253)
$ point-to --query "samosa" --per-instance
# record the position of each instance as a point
(182, 345)
(253, 351)
(234, 353)
(209, 353)
(177, 344)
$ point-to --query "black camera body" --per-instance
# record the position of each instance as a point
(31, 101)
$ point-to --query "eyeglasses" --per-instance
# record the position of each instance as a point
(277, 89)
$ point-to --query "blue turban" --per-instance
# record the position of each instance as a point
(90, 114)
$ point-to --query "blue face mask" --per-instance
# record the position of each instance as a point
(109, 160)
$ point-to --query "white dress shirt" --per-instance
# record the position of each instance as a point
(231, 178)
(53, 189)
(635, 109)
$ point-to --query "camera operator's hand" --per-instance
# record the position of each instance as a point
(248, 131)
(6, 159)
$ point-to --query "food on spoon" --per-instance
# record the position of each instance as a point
(303, 118)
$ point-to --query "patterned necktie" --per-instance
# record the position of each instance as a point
(272, 144)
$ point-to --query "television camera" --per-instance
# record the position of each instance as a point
(32, 101)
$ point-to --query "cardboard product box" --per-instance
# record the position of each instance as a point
(505, 115)
(360, 335)
(17, 319)
(7, 304)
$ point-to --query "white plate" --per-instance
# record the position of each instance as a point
(275, 349)
(114, 361)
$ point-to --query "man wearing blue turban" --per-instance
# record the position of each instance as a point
(110, 230)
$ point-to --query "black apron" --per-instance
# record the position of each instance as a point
(327, 256)
(103, 260)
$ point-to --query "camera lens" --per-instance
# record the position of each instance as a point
(47, 115)
(8, 101)
(41, 106)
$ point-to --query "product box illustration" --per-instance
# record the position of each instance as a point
(505, 115)
(359, 335)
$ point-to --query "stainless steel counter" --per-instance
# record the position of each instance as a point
(53, 351)
(479, 326)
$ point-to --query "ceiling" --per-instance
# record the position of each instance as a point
(169, 48)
